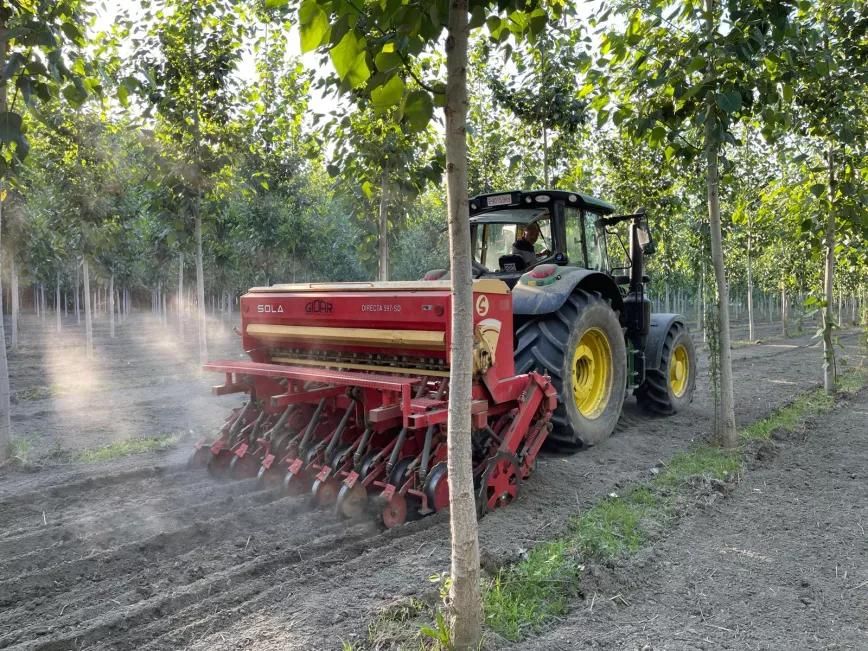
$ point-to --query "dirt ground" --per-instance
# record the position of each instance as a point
(782, 563)
(139, 553)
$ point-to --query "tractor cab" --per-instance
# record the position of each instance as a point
(511, 233)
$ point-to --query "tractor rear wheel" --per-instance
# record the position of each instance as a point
(668, 389)
(581, 346)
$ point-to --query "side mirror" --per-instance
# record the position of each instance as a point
(643, 233)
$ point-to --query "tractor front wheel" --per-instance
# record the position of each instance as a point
(582, 347)
(669, 388)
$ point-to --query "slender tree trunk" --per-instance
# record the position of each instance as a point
(15, 307)
(200, 292)
(465, 601)
(829, 371)
(545, 133)
(383, 226)
(181, 295)
(36, 300)
(726, 430)
(77, 304)
(88, 316)
(42, 309)
(5, 397)
(784, 311)
(111, 293)
(750, 334)
(59, 320)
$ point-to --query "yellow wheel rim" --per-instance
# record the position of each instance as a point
(679, 371)
(592, 373)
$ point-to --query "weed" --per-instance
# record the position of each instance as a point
(705, 461)
(788, 418)
(20, 450)
(128, 447)
(853, 380)
(33, 393)
(523, 596)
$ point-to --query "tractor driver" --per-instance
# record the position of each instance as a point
(524, 246)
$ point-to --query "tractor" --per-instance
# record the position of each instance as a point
(347, 384)
(585, 322)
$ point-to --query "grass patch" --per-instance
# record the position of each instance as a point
(521, 598)
(704, 461)
(805, 406)
(33, 393)
(853, 380)
(127, 448)
(20, 451)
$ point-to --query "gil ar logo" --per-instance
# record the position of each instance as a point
(318, 306)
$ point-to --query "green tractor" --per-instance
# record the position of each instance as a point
(586, 323)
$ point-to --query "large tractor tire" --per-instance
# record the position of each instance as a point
(668, 389)
(581, 346)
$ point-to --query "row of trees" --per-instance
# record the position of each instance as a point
(140, 157)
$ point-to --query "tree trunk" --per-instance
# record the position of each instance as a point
(465, 601)
(42, 309)
(829, 371)
(726, 431)
(88, 316)
(15, 307)
(59, 320)
(545, 133)
(200, 292)
(784, 311)
(111, 293)
(77, 304)
(383, 226)
(181, 295)
(5, 402)
(749, 281)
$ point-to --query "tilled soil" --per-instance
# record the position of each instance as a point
(782, 563)
(141, 553)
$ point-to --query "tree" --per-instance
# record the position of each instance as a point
(369, 50)
(825, 75)
(32, 41)
(683, 75)
(185, 54)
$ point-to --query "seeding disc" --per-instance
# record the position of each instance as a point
(241, 467)
(500, 483)
(199, 458)
(437, 487)
(293, 484)
(395, 511)
(324, 493)
(218, 464)
(268, 478)
(352, 501)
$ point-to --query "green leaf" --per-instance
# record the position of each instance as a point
(123, 96)
(10, 126)
(313, 25)
(387, 60)
(275, 4)
(348, 58)
(368, 189)
(74, 95)
(787, 92)
(729, 102)
(818, 189)
(387, 95)
(418, 110)
(696, 64)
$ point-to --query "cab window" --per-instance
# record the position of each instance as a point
(585, 244)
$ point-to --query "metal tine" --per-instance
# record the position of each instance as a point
(311, 426)
(429, 437)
